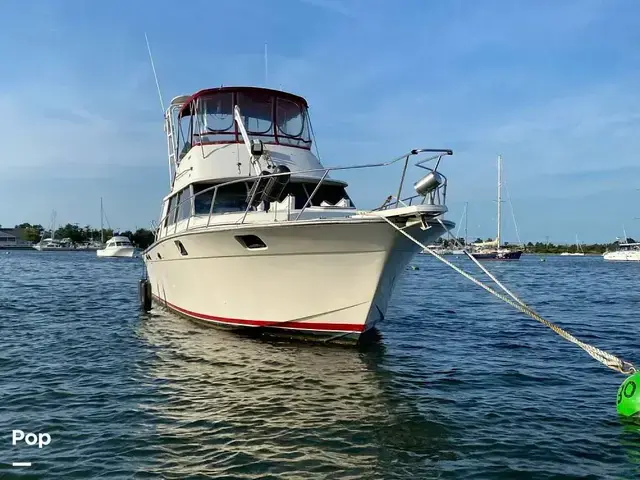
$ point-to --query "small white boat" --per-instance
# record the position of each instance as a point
(54, 245)
(117, 246)
(578, 253)
(627, 252)
(439, 249)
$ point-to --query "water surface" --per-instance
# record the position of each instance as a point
(460, 385)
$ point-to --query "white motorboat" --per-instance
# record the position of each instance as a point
(439, 249)
(254, 233)
(626, 252)
(52, 244)
(117, 246)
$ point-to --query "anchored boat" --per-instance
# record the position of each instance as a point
(494, 250)
(117, 246)
(255, 233)
(626, 252)
(578, 253)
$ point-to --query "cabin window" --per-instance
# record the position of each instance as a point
(215, 119)
(218, 112)
(331, 194)
(230, 198)
(292, 123)
(256, 110)
(171, 211)
(184, 136)
(202, 201)
(184, 204)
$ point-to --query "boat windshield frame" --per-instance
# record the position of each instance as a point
(272, 116)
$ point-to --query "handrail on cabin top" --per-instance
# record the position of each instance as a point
(440, 153)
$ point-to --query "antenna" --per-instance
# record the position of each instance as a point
(266, 67)
(153, 67)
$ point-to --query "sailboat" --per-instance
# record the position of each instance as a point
(52, 244)
(493, 250)
(461, 251)
(578, 253)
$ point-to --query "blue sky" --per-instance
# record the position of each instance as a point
(550, 85)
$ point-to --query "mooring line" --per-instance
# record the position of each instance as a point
(603, 357)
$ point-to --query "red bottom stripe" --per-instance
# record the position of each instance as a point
(338, 327)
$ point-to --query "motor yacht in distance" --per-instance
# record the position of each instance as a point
(256, 233)
(626, 252)
(117, 246)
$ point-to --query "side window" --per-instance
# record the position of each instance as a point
(202, 202)
(231, 198)
(184, 204)
(171, 212)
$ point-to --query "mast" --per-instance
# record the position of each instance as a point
(499, 198)
(53, 224)
(466, 221)
(101, 225)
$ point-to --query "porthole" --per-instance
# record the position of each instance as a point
(251, 242)
(181, 249)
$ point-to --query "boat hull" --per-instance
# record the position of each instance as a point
(118, 252)
(328, 278)
(621, 256)
(501, 255)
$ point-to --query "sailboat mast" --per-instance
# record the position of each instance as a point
(499, 198)
(101, 224)
(466, 221)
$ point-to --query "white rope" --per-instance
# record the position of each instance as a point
(603, 357)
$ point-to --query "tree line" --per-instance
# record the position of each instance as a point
(544, 247)
(141, 238)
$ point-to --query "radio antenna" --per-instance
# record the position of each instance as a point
(153, 67)
(266, 67)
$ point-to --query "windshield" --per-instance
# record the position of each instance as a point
(267, 116)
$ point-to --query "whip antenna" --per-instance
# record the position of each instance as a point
(153, 67)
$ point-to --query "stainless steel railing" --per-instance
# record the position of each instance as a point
(435, 197)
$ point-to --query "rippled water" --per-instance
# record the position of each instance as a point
(459, 386)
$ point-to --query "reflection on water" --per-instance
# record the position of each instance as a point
(243, 407)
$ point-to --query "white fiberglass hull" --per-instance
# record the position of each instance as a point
(41, 248)
(623, 256)
(328, 277)
(122, 252)
(567, 254)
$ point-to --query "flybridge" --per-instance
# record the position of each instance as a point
(208, 118)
